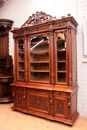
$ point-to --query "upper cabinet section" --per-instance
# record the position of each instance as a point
(44, 50)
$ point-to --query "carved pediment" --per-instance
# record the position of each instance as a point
(38, 17)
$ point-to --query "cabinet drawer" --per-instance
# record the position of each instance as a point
(20, 89)
(60, 93)
(39, 91)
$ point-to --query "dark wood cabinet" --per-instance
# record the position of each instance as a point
(6, 62)
(45, 68)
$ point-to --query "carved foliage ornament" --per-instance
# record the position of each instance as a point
(38, 17)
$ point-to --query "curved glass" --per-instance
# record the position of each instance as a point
(39, 59)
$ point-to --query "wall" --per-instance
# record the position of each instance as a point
(20, 10)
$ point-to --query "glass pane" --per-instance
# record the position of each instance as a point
(21, 59)
(61, 58)
(39, 59)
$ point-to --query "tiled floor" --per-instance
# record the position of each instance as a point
(14, 120)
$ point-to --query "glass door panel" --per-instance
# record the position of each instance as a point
(61, 58)
(21, 59)
(39, 59)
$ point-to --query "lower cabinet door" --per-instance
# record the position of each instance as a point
(20, 99)
(60, 107)
(38, 103)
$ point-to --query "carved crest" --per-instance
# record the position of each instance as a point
(38, 17)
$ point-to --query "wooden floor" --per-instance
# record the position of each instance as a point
(14, 120)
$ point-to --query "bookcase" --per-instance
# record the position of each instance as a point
(45, 68)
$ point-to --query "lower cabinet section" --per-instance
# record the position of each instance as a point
(50, 104)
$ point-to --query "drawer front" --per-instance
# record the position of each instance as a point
(64, 94)
(39, 91)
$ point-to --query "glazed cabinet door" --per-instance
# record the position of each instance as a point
(19, 59)
(61, 56)
(39, 57)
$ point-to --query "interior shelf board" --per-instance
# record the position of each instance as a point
(39, 61)
(39, 70)
(61, 71)
(21, 52)
(21, 70)
(21, 61)
(39, 52)
(61, 61)
(61, 50)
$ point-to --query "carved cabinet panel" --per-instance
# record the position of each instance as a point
(19, 95)
(20, 99)
(60, 104)
(38, 102)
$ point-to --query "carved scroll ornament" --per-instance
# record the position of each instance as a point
(38, 17)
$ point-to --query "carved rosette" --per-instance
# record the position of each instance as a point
(38, 17)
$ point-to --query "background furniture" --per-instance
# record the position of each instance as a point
(45, 82)
(6, 63)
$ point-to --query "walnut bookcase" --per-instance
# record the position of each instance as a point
(45, 68)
